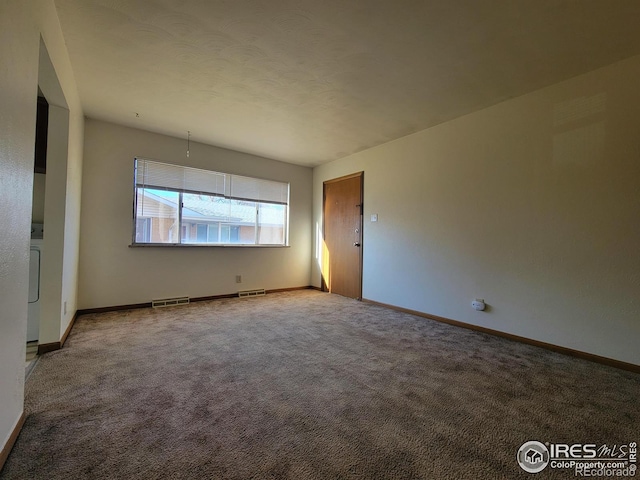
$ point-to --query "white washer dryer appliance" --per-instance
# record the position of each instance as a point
(33, 318)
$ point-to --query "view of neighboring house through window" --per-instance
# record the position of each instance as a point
(185, 206)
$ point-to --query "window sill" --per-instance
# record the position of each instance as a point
(195, 245)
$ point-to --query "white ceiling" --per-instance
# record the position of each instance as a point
(309, 81)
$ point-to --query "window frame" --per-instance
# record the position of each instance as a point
(220, 223)
(147, 227)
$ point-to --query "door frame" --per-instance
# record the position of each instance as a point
(323, 284)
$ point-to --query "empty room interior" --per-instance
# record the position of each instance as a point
(298, 239)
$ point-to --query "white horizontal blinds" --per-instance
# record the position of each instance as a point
(204, 181)
(255, 189)
(161, 175)
(152, 174)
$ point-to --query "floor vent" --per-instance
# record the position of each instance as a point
(252, 293)
(169, 302)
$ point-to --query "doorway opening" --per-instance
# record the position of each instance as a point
(51, 139)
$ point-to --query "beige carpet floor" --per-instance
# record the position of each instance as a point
(305, 385)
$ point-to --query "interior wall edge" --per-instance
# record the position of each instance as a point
(13, 436)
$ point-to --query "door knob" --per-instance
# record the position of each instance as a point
(356, 244)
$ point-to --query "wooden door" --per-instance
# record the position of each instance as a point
(342, 250)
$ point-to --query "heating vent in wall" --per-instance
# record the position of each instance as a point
(169, 302)
(252, 293)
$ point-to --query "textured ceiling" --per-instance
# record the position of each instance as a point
(309, 81)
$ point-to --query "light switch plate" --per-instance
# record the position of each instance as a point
(374, 217)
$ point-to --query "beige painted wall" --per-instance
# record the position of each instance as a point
(112, 273)
(531, 204)
(22, 24)
(54, 213)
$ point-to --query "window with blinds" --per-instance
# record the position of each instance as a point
(179, 205)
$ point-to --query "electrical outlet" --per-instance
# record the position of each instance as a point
(238, 278)
(478, 304)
